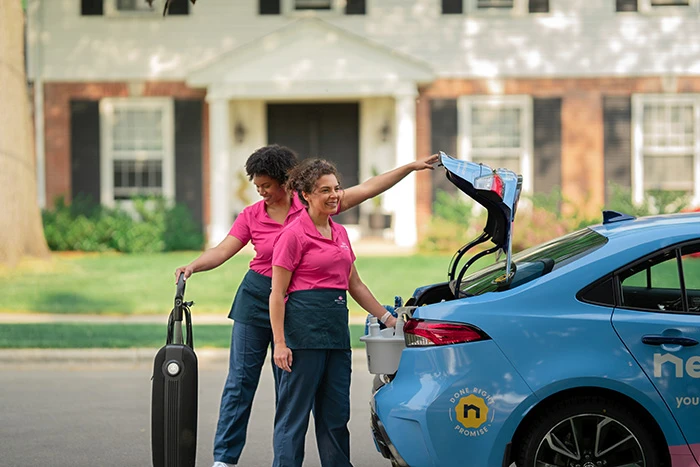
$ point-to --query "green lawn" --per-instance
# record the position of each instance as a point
(117, 336)
(144, 284)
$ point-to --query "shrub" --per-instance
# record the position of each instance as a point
(455, 222)
(152, 227)
(540, 217)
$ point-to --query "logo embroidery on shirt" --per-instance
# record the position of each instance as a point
(344, 246)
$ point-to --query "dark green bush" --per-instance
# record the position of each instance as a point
(154, 227)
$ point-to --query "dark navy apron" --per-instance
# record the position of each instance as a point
(317, 319)
(252, 302)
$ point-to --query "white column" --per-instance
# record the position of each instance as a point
(39, 142)
(405, 233)
(219, 170)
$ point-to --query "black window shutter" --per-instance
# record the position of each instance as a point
(269, 7)
(617, 141)
(625, 5)
(538, 6)
(547, 144)
(179, 7)
(188, 155)
(443, 137)
(451, 7)
(85, 149)
(91, 7)
(355, 7)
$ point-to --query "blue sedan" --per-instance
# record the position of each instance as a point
(581, 352)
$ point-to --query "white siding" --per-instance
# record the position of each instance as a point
(577, 38)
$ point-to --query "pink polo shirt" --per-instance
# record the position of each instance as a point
(316, 262)
(254, 225)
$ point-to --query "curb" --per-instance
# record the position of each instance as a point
(139, 356)
(99, 356)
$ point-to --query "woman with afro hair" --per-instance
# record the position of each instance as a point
(260, 224)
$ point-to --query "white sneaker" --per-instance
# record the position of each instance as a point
(223, 464)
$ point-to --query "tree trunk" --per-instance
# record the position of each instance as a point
(21, 231)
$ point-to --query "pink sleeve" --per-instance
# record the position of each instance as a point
(286, 252)
(241, 227)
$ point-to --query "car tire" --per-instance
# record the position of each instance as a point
(566, 434)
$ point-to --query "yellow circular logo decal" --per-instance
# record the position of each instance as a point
(471, 411)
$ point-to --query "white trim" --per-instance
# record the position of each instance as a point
(107, 107)
(220, 174)
(39, 142)
(637, 163)
(464, 137)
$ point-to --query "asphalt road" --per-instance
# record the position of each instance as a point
(98, 414)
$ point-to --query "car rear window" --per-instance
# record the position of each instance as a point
(533, 263)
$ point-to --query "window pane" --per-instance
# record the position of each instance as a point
(661, 293)
(494, 127)
(668, 126)
(132, 5)
(670, 2)
(668, 145)
(137, 130)
(496, 136)
(312, 4)
(135, 177)
(668, 173)
(494, 4)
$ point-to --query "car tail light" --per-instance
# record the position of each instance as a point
(418, 333)
(491, 182)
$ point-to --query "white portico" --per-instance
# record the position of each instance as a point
(324, 92)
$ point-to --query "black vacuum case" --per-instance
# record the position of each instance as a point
(174, 396)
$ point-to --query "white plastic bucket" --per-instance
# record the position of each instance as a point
(384, 351)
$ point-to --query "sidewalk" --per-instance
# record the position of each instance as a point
(16, 318)
(98, 356)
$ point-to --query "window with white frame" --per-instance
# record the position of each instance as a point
(666, 144)
(137, 157)
(497, 131)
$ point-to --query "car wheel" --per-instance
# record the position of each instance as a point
(588, 432)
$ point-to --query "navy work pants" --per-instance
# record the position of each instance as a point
(319, 381)
(249, 346)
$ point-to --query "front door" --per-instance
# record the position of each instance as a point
(326, 131)
(659, 322)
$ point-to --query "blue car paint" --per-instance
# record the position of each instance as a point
(546, 341)
(420, 403)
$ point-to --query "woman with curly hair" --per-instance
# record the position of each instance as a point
(260, 224)
(312, 269)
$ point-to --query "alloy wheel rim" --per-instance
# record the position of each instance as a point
(589, 440)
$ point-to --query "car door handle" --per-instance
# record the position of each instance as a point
(672, 340)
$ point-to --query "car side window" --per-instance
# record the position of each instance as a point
(658, 283)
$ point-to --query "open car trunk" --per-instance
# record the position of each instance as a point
(498, 191)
